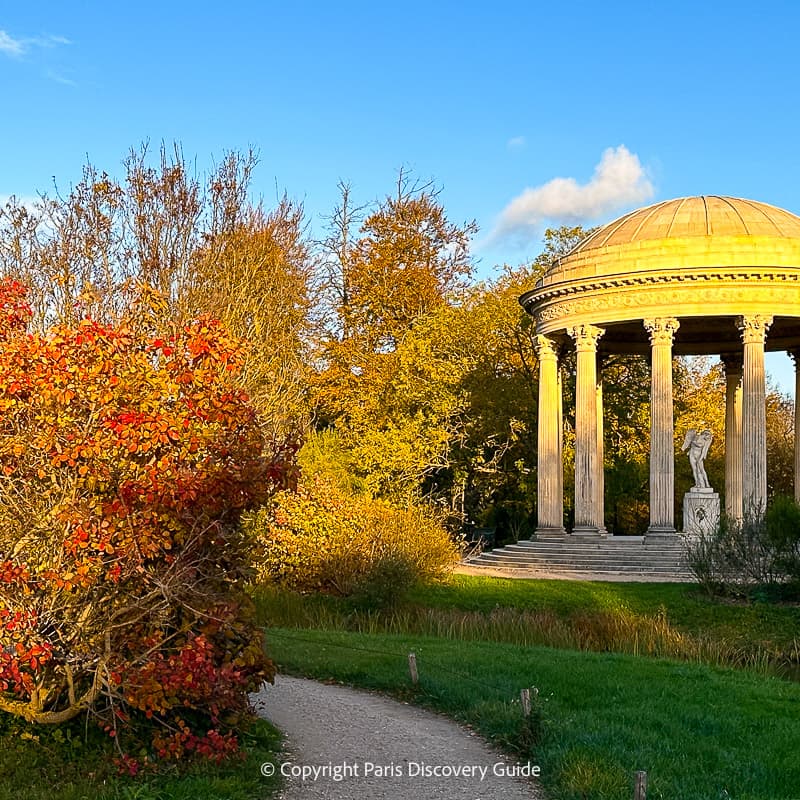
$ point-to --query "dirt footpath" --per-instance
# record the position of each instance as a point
(343, 744)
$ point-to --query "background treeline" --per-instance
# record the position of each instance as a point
(407, 379)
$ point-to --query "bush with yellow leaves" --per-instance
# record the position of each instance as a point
(324, 538)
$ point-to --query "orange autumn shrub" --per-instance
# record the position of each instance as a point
(125, 464)
(325, 538)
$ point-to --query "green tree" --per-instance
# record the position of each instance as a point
(557, 243)
(626, 433)
(453, 417)
(447, 409)
(780, 444)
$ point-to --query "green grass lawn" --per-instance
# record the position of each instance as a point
(64, 763)
(687, 608)
(661, 620)
(701, 733)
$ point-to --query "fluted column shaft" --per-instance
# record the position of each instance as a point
(550, 503)
(600, 484)
(754, 414)
(587, 519)
(560, 438)
(795, 354)
(733, 435)
(662, 447)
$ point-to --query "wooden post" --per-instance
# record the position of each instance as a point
(640, 792)
(412, 668)
(525, 697)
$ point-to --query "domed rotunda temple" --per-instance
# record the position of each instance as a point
(691, 276)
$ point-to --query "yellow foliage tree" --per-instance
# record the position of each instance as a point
(190, 245)
(257, 279)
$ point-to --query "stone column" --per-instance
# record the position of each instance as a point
(662, 426)
(795, 354)
(550, 504)
(560, 375)
(733, 435)
(587, 520)
(600, 485)
(754, 414)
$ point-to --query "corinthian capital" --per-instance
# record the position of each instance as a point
(586, 336)
(545, 347)
(661, 329)
(754, 327)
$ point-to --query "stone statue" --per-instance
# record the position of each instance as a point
(697, 444)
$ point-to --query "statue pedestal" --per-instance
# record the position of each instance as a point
(700, 511)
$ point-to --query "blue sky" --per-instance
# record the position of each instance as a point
(631, 103)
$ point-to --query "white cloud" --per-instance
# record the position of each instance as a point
(18, 47)
(52, 41)
(11, 46)
(516, 143)
(58, 78)
(619, 180)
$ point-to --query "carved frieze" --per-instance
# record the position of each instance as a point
(637, 297)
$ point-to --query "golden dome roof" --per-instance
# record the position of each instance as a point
(701, 232)
(687, 217)
(694, 258)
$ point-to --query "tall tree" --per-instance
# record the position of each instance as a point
(257, 278)
(780, 444)
(406, 260)
(91, 250)
(453, 417)
(409, 260)
(174, 246)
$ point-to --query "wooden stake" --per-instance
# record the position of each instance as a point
(640, 792)
(525, 697)
(412, 668)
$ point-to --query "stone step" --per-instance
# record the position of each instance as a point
(594, 575)
(639, 553)
(569, 558)
(573, 564)
(585, 572)
(609, 541)
(615, 552)
(637, 557)
(629, 555)
(613, 545)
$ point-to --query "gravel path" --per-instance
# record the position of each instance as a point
(390, 750)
